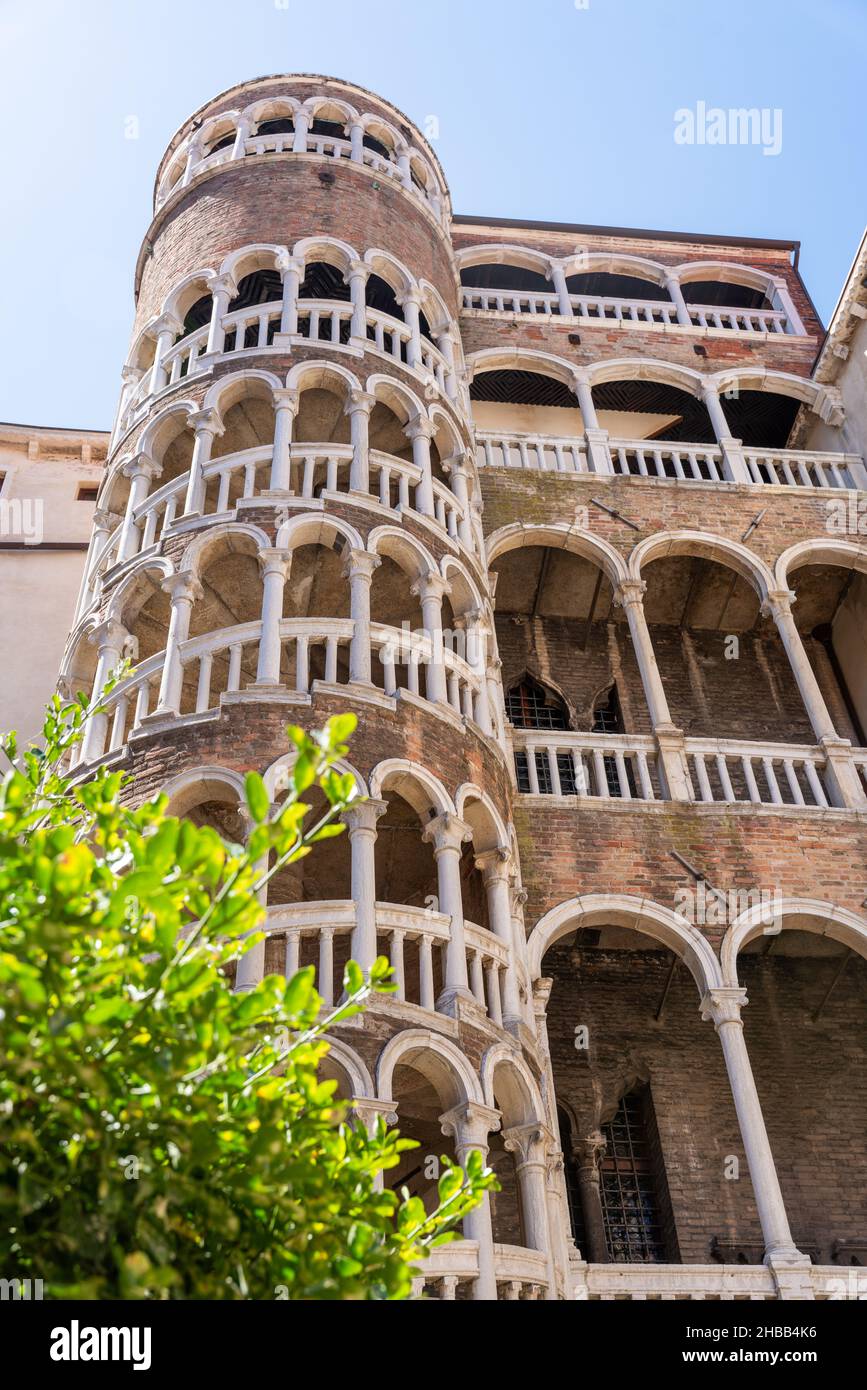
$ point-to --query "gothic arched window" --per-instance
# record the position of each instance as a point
(531, 705)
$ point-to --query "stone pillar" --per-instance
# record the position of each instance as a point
(447, 833)
(360, 820)
(358, 568)
(194, 154)
(459, 476)
(130, 378)
(420, 431)
(630, 595)
(723, 1007)
(207, 425)
(843, 776)
(286, 403)
(477, 633)
(673, 286)
(250, 970)
(166, 329)
(405, 171)
(494, 867)
(184, 589)
(356, 278)
(588, 1153)
(557, 276)
(584, 391)
(782, 299)
(301, 121)
(446, 345)
(598, 453)
(109, 639)
(411, 305)
(470, 1124)
(529, 1143)
(242, 134)
(356, 142)
(102, 526)
(291, 273)
(141, 471)
(358, 408)
(275, 566)
(223, 290)
(730, 446)
(431, 588)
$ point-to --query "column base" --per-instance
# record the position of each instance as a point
(792, 1273)
(453, 1002)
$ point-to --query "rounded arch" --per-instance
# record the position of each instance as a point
(371, 122)
(465, 594)
(751, 378)
(261, 255)
(320, 373)
(276, 773)
(795, 914)
(329, 249)
(506, 1076)
(196, 285)
(229, 389)
(198, 552)
(314, 528)
(270, 108)
(354, 1068)
(407, 552)
(214, 126)
(707, 546)
(641, 915)
(154, 565)
(444, 424)
(559, 537)
(727, 273)
(313, 105)
(399, 398)
(434, 308)
(417, 786)
(169, 422)
(615, 263)
(391, 270)
(498, 253)
(826, 550)
(647, 369)
(207, 783)
(522, 360)
(438, 1059)
(478, 810)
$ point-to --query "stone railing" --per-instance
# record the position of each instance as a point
(672, 461)
(414, 940)
(626, 767)
(326, 146)
(544, 453)
(626, 313)
(706, 1283)
(450, 1272)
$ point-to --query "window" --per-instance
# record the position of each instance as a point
(636, 1210)
(608, 719)
(529, 705)
(87, 492)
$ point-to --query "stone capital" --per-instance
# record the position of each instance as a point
(141, 466)
(359, 400)
(285, 264)
(778, 602)
(183, 587)
(723, 1005)
(420, 427)
(368, 1110)
(360, 563)
(357, 268)
(274, 561)
(286, 398)
(110, 633)
(166, 323)
(430, 585)
(102, 519)
(446, 832)
(590, 1150)
(529, 1143)
(630, 591)
(363, 815)
(470, 1124)
(222, 284)
(206, 421)
(494, 865)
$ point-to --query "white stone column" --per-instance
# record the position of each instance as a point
(470, 1125)
(430, 588)
(194, 154)
(109, 639)
(673, 286)
(730, 446)
(166, 330)
(404, 167)
(250, 970)
(494, 865)
(477, 634)
(360, 820)
(557, 276)
(457, 470)
(140, 470)
(223, 291)
(275, 566)
(286, 405)
(130, 377)
(598, 453)
(356, 277)
(102, 526)
(529, 1143)
(411, 305)
(183, 589)
(629, 594)
(358, 408)
(584, 391)
(301, 121)
(207, 425)
(723, 1007)
(356, 142)
(447, 833)
(420, 432)
(242, 135)
(292, 274)
(359, 567)
(782, 299)
(446, 345)
(845, 782)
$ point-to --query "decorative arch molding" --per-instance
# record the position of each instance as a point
(197, 553)
(504, 253)
(270, 108)
(261, 255)
(816, 397)
(211, 782)
(559, 537)
(615, 263)
(707, 546)
(844, 554)
(725, 273)
(391, 270)
(396, 395)
(153, 564)
(275, 774)
(453, 565)
(793, 914)
(315, 104)
(497, 834)
(421, 788)
(393, 543)
(354, 1068)
(325, 248)
(154, 427)
(520, 1099)
(232, 385)
(437, 1058)
(318, 372)
(637, 914)
(522, 360)
(647, 369)
(316, 528)
(171, 307)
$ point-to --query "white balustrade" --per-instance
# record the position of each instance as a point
(723, 770)
(739, 320)
(544, 453)
(663, 1282)
(563, 763)
(521, 1273)
(625, 312)
(405, 656)
(656, 459)
(802, 468)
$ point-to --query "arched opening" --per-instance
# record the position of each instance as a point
(830, 611)
(497, 275)
(171, 446)
(261, 286)
(512, 401)
(231, 605)
(651, 410)
(398, 660)
(247, 413)
(612, 287)
(220, 137)
(423, 1092)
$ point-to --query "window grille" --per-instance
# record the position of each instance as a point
(634, 1194)
(530, 706)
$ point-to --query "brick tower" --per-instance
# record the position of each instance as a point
(532, 500)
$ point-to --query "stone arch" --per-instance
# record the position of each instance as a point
(795, 914)
(313, 105)
(199, 551)
(207, 783)
(639, 914)
(813, 394)
(434, 308)
(727, 273)
(398, 397)
(329, 249)
(231, 388)
(478, 810)
(522, 1099)
(408, 553)
(313, 528)
(391, 270)
(419, 787)
(154, 565)
(196, 285)
(498, 253)
(306, 375)
(820, 551)
(718, 549)
(158, 434)
(270, 109)
(438, 1059)
(246, 259)
(522, 360)
(277, 771)
(371, 122)
(354, 1068)
(615, 263)
(647, 369)
(465, 594)
(559, 537)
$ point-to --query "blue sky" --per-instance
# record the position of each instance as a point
(546, 110)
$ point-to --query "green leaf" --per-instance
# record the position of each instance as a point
(256, 795)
